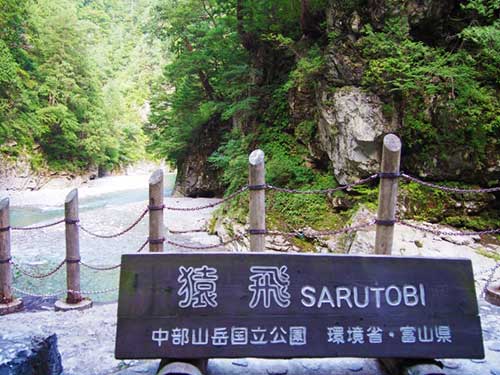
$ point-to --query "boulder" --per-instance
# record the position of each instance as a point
(32, 355)
(351, 129)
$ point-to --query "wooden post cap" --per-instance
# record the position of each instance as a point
(392, 143)
(256, 157)
(71, 196)
(156, 177)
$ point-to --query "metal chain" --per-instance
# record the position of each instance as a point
(39, 276)
(206, 247)
(32, 294)
(323, 233)
(39, 226)
(100, 268)
(210, 205)
(449, 189)
(438, 232)
(121, 233)
(103, 291)
(61, 292)
(490, 277)
(187, 231)
(323, 191)
(142, 246)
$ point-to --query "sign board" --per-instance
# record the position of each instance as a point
(218, 305)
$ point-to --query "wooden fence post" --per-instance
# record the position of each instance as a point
(386, 218)
(74, 300)
(156, 228)
(8, 304)
(388, 194)
(257, 187)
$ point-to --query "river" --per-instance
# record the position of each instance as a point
(107, 205)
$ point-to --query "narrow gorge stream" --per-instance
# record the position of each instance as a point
(107, 206)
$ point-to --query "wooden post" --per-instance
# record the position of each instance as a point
(8, 303)
(74, 300)
(257, 182)
(386, 216)
(156, 228)
(388, 194)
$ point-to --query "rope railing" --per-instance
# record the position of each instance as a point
(322, 233)
(38, 276)
(323, 191)
(38, 227)
(447, 233)
(59, 293)
(200, 230)
(209, 205)
(205, 247)
(449, 189)
(38, 295)
(121, 233)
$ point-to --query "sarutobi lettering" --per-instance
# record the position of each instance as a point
(269, 285)
(198, 286)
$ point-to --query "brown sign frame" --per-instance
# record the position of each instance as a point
(173, 305)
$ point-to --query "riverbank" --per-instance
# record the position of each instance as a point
(53, 192)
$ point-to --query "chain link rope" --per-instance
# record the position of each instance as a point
(36, 227)
(323, 233)
(449, 189)
(210, 205)
(439, 232)
(91, 292)
(323, 191)
(100, 268)
(33, 294)
(121, 233)
(38, 276)
(206, 247)
(187, 231)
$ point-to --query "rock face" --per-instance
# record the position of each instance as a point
(18, 175)
(30, 356)
(351, 127)
(195, 177)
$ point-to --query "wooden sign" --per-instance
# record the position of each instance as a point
(283, 306)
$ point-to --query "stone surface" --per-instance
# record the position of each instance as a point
(61, 305)
(351, 127)
(11, 307)
(27, 354)
(196, 177)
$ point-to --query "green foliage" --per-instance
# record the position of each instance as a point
(308, 69)
(446, 97)
(73, 79)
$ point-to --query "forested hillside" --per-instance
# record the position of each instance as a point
(316, 84)
(75, 78)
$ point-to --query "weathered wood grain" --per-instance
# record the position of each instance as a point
(72, 247)
(156, 227)
(150, 301)
(388, 194)
(5, 267)
(257, 209)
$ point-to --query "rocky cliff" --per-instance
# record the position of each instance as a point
(350, 111)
